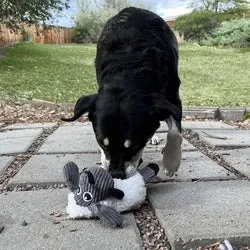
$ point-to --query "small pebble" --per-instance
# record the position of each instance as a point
(57, 214)
(1, 228)
(45, 236)
(24, 223)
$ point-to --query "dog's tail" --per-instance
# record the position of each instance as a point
(71, 119)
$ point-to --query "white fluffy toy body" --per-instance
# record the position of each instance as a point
(94, 193)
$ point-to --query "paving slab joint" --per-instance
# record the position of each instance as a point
(209, 151)
(21, 159)
(151, 232)
(31, 186)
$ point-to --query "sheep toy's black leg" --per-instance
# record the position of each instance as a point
(149, 172)
(117, 193)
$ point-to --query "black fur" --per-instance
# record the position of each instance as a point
(137, 74)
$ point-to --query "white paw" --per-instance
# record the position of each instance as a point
(172, 154)
(154, 140)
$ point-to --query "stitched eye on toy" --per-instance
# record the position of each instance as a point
(87, 196)
(78, 190)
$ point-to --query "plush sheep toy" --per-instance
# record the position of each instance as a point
(94, 193)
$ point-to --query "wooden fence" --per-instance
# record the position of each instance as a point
(45, 35)
(38, 34)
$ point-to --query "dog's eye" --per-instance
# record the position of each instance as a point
(87, 196)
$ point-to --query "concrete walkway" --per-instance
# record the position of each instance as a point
(208, 200)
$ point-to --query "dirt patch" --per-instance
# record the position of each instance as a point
(34, 113)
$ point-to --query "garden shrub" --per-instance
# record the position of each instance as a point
(196, 24)
(89, 24)
(235, 33)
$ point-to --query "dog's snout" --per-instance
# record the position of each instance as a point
(118, 173)
(117, 168)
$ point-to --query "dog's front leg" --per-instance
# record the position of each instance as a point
(172, 149)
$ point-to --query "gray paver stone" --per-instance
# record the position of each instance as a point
(200, 112)
(194, 166)
(163, 127)
(186, 146)
(5, 161)
(89, 129)
(205, 125)
(198, 214)
(86, 125)
(79, 137)
(48, 169)
(31, 125)
(239, 159)
(35, 208)
(18, 141)
(226, 137)
(232, 114)
(71, 139)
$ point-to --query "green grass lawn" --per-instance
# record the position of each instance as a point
(61, 73)
(58, 73)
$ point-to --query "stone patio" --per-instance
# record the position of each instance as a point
(200, 205)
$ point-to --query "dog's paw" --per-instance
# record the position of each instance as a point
(170, 169)
(172, 154)
(169, 173)
(154, 140)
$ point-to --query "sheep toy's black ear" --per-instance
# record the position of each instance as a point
(71, 176)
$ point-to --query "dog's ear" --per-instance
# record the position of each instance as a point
(162, 108)
(82, 106)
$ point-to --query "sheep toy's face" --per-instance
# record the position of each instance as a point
(84, 194)
(90, 186)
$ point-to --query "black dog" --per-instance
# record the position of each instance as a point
(137, 73)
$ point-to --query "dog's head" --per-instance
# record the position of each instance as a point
(123, 124)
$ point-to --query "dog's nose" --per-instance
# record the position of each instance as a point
(118, 173)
